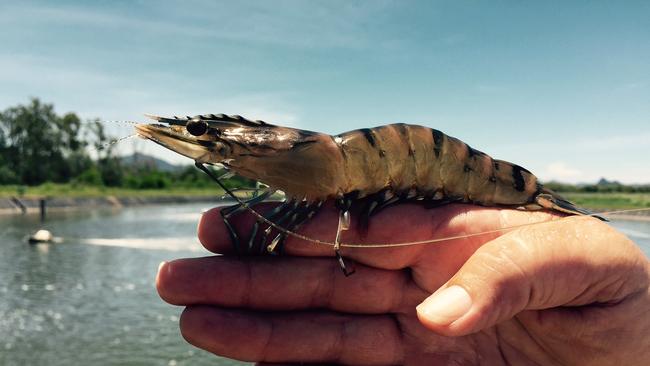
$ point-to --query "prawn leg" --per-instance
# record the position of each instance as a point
(227, 212)
(375, 204)
(299, 217)
(256, 226)
(344, 224)
(284, 210)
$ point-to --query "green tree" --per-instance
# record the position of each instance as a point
(39, 144)
(7, 176)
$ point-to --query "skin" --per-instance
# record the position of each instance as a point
(566, 292)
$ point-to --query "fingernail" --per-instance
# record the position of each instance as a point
(446, 306)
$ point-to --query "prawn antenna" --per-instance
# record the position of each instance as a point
(118, 121)
(112, 142)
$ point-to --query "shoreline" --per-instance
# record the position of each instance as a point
(31, 206)
(624, 217)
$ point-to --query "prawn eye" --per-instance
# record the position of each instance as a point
(197, 128)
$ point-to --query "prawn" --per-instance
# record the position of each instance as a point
(370, 167)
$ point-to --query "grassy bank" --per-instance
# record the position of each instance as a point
(76, 190)
(610, 201)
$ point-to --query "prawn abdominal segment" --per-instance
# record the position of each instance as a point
(368, 168)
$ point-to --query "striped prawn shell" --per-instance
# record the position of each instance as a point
(425, 163)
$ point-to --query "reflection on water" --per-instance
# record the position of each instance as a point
(171, 244)
(91, 299)
(637, 231)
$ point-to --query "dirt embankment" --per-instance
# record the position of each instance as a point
(15, 205)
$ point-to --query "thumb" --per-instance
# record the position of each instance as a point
(573, 261)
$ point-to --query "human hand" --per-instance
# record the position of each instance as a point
(570, 291)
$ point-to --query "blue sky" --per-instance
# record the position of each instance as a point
(562, 88)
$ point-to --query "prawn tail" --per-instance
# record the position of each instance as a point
(553, 201)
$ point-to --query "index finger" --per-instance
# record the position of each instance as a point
(396, 224)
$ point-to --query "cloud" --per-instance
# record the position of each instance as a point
(633, 85)
(489, 88)
(561, 171)
(608, 143)
(588, 144)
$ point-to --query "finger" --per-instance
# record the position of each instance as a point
(295, 337)
(395, 224)
(284, 284)
(571, 262)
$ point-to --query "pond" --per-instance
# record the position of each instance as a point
(92, 300)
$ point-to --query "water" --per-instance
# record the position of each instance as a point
(92, 300)
(638, 231)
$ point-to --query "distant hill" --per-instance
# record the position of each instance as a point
(605, 182)
(142, 160)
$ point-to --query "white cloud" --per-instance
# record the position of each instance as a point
(608, 143)
(588, 144)
(489, 88)
(633, 85)
(562, 172)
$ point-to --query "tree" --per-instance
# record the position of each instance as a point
(39, 146)
(7, 176)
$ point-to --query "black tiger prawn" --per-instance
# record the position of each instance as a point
(378, 166)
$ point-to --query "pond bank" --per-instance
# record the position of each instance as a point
(16, 205)
(640, 216)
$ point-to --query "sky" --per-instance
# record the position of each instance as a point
(561, 88)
